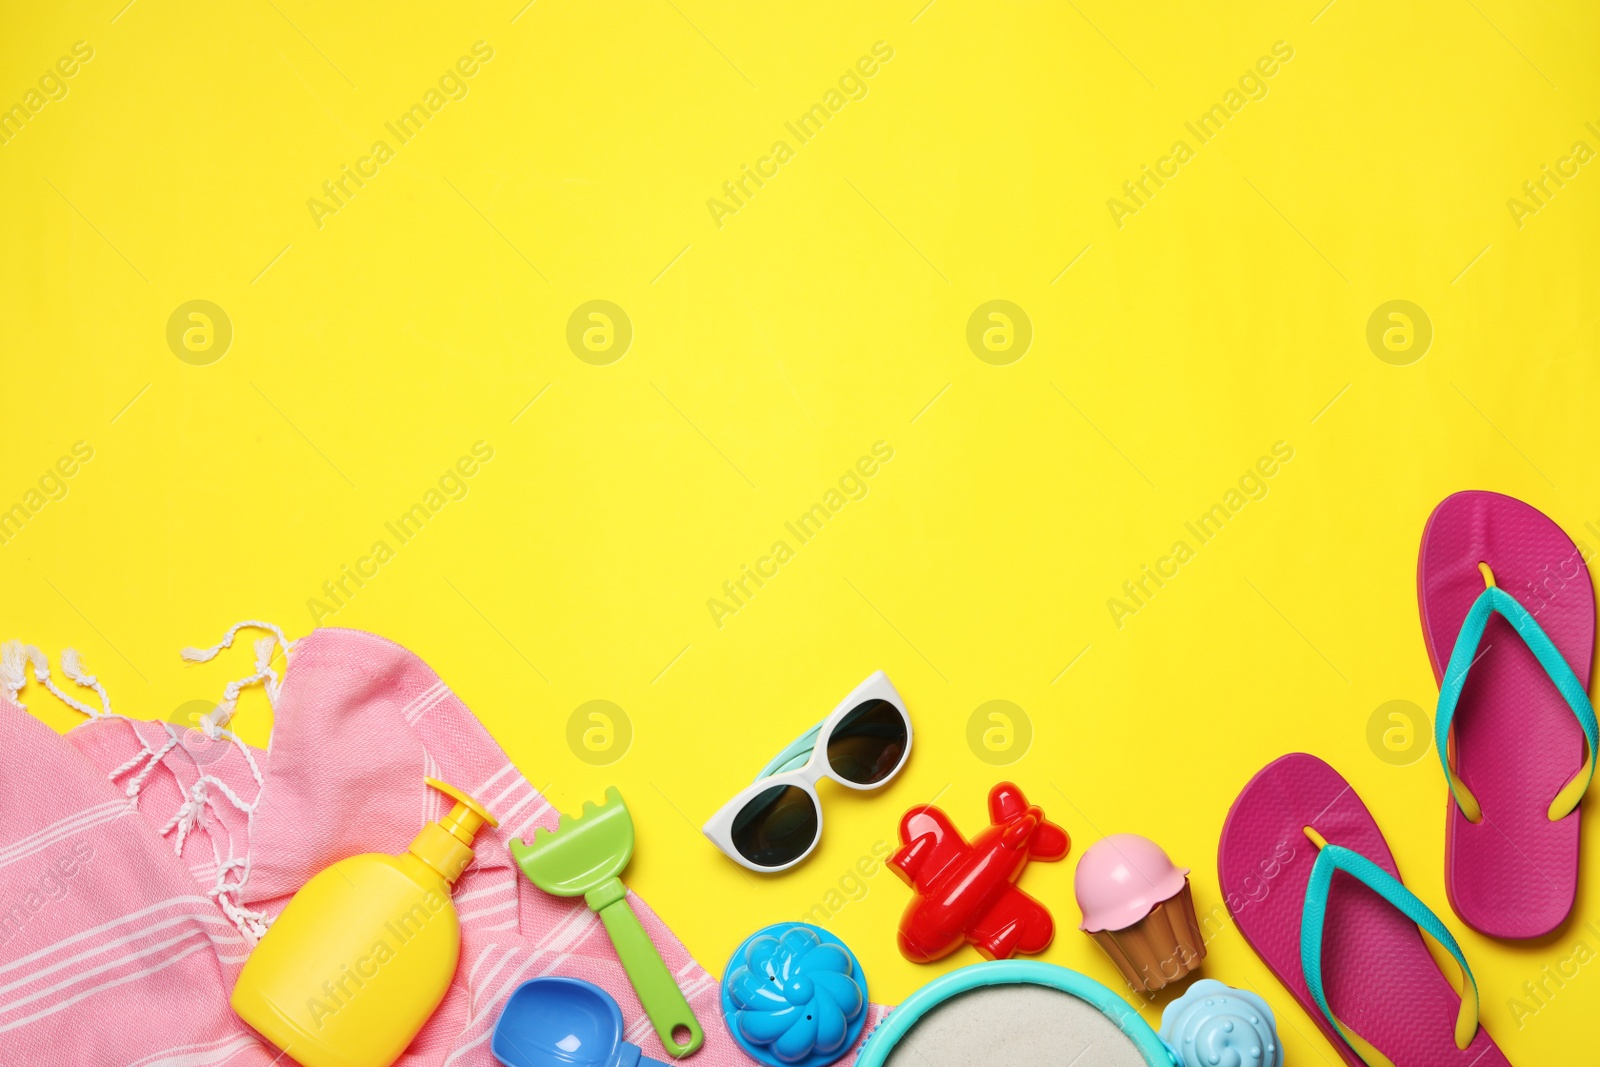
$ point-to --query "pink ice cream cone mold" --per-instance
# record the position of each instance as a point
(1120, 880)
(1137, 906)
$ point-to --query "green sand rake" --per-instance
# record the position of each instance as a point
(582, 857)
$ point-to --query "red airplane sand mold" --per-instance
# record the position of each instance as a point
(967, 892)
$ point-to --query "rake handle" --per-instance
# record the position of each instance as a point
(663, 1001)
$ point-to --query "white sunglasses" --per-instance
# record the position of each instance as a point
(775, 822)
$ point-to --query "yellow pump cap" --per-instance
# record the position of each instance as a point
(446, 845)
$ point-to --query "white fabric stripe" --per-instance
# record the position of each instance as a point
(83, 820)
(462, 1050)
(504, 989)
(111, 984)
(178, 1050)
(519, 805)
(493, 778)
(695, 988)
(424, 703)
(462, 898)
(490, 910)
(690, 991)
(121, 941)
(81, 813)
(426, 694)
(416, 716)
(559, 930)
(205, 1054)
(472, 975)
(575, 926)
(574, 937)
(512, 925)
(433, 805)
(585, 921)
(500, 797)
(640, 1025)
(246, 1044)
(510, 953)
(103, 927)
(13, 1005)
(557, 962)
(532, 819)
(183, 1050)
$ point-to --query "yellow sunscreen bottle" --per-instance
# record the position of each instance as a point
(361, 957)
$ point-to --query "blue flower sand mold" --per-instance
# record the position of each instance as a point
(1020, 1013)
(794, 996)
(1215, 1025)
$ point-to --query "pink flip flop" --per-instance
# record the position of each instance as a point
(1314, 889)
(1508, 614)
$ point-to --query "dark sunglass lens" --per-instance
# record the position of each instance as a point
(868, 743)
(776, 827)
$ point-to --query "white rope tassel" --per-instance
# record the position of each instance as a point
(12, 674)
(154, 756)
(204, 655)
(151, 758)
(252, 924)
(212, 721)
(269, 677)
(41, 672)
(188, 816)
(266, 647)
(191, 813)
(72, 667)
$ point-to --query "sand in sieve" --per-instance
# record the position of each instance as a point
(1015, 1026)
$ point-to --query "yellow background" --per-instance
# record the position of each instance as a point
(768, 354)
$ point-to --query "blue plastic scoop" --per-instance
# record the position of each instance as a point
(563, 1022)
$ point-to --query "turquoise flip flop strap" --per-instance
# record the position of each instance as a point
(1495, 599)
(1313, 918)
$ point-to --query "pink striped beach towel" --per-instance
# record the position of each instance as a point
(140, 862)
